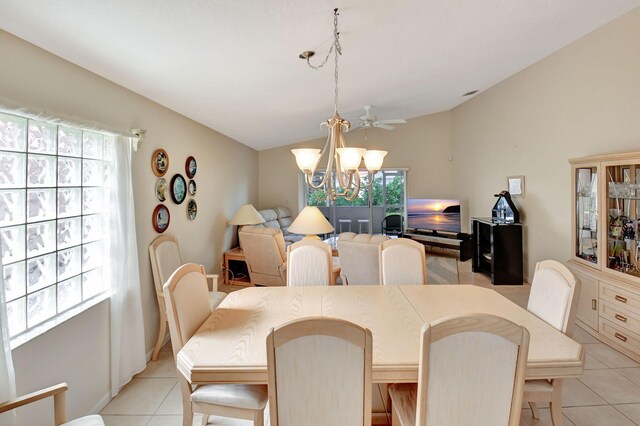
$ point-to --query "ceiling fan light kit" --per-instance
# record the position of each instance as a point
(347, 159)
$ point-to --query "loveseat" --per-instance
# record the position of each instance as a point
(280, 218)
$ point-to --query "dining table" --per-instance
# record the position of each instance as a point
(230, 346)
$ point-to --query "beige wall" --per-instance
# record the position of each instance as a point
(227, 177)
(582, 100)
(423, 145)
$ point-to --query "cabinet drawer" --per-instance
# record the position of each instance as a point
(619, 296)
(623, 337)
(622, 318)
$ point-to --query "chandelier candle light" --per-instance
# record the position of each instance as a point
(347, 160)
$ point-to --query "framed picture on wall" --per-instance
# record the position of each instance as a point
(160, 162)
(161, 218)
(178, 188)
(191, 167)
(515, 185)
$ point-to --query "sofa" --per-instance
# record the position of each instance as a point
(280, 218)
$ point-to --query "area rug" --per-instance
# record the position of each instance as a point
(442, 270)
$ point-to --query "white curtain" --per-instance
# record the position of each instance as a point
(7, 377)
(128, 355)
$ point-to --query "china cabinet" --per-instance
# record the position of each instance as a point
(606, 247)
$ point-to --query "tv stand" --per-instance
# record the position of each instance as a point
(448, 240)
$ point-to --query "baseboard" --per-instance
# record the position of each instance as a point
(102, 402)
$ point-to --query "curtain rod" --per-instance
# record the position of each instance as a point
(136, 136)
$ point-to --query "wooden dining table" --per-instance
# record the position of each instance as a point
(230, 347)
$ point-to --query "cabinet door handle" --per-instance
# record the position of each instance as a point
(620, 337)
(621, 318)
(621, 299)
(594, 304)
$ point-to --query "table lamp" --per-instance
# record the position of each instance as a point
(311, 222)
(246, 215)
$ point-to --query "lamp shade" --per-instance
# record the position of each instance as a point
(373, 159)
(350, 158)
(310, 221)
(306, 158)
(246, 215)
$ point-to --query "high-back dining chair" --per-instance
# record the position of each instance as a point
(359, 258)
(471, 372)
(554, 298)
(309, 262)
(164, 254)
(319, 373)
(402, 261)
(187, 309)
(59, 406)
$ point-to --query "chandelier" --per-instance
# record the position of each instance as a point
(347, 159)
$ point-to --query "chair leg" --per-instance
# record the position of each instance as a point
(534, 410)
(556, 403)
(205, 419)
(161, 332)
(187, 410)
(258, 418)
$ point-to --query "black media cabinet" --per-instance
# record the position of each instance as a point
(497, 250)
(448, 240)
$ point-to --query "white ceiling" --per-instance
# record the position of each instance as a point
(233, 65)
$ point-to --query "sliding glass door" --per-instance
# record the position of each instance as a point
(365, 213)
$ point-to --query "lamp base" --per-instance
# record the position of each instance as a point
(311, 237)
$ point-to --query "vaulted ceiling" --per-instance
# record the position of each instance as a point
(233, 65)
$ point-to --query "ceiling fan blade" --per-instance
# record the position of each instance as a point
(383, 126)
(392, 121)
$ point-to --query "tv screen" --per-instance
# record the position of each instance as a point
(433, 214)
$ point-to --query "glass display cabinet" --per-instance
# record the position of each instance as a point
(623, 193)
(605, 247)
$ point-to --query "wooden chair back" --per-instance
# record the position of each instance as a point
(187, 299)
(471, 371)
(554, 295)
(309, 263)
(164, 254)
(402, 261)
(319, 373)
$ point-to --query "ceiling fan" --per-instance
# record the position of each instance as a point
(370, 120)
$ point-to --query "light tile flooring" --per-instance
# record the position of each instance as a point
(607, 394)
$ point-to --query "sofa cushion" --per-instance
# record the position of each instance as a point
(359, 257)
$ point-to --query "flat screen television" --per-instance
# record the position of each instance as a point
(431, 214)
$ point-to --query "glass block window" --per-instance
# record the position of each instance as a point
(52, 217)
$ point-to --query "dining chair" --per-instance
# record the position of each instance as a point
(402, 261)
(359, 258)
(309, 262)
(58, 392)
(471, 372)
(187, 308)
(553, 298)
(319, 373)
(165, 259)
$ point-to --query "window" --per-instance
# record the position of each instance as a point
(53, 183)
(388, 195)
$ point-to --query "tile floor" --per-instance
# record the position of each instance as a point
(607, 394)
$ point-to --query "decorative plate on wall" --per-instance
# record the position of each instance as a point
(191, 167)
(160, 162)
(178, 188)
(192, 187)
(192, 209)
(161, 218)
(161, 189)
